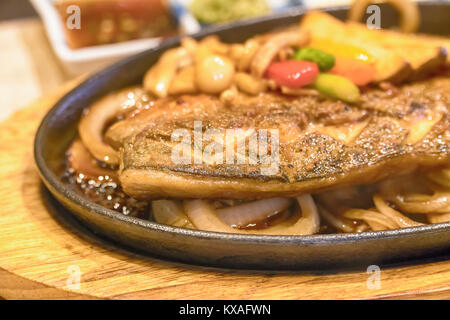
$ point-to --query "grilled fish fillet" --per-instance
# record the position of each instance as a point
(323, 143)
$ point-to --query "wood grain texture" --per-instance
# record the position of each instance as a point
(39, 241)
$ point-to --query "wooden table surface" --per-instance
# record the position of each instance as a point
(41, 244)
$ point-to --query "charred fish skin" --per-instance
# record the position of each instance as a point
(323, 144)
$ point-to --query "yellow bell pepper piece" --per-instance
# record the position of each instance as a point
(342, 50)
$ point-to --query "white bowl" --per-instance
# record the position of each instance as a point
(88, 59)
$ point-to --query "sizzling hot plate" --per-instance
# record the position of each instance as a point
(219, 249)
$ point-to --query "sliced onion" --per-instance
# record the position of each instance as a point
(335, 221)
(252, 212)
(82, 162)
(309, 223)
(203, 217)
(304, 222)
(171, 213)
(94, 121)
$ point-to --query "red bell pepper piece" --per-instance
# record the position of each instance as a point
(293, 73)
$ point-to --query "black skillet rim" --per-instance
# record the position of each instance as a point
(321, 239)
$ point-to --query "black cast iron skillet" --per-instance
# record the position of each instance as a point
(219, 249)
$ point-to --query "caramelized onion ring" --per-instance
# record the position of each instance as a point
(95, 119)
(309, 223)
(252, 212)
(171, 213)
(203, 217)
(409, 12)
(82, 162)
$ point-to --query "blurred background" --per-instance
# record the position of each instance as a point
(45, 43)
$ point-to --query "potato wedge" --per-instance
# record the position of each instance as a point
(438, 41)
(389, 65)
(399, 57)
(423, 55)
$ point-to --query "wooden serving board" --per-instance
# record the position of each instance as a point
(40, 243)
